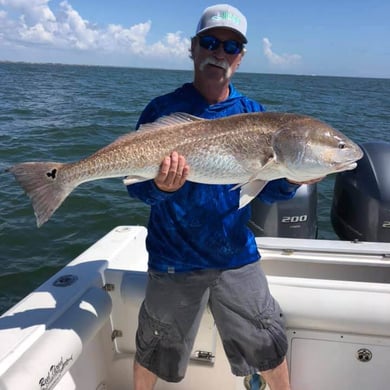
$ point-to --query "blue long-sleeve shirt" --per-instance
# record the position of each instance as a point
(199, 226)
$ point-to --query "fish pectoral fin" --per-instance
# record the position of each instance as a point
(250, 190)
(128, 180)
(257, 181)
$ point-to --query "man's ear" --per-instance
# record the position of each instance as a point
(242, 56)
(192, 48)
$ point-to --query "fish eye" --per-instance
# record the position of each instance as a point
(341, 145)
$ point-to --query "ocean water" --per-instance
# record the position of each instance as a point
(62, 113)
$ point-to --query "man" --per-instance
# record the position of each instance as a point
(200, 249)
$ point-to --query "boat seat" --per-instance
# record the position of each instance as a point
(333, 305)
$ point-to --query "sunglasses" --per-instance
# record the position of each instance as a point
(211, 43)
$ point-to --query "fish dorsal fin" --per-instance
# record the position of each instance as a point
(178, 118)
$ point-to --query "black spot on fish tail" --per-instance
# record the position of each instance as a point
(52, 174)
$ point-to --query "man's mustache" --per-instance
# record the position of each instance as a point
(220, 63)
(213, 61)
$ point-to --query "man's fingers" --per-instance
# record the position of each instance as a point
(181, 162)
(164, 169)
(171, 177)
(173, 173)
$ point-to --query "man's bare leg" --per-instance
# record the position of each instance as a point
(143, 379)
(277, 378)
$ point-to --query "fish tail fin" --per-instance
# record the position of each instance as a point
(45, 186)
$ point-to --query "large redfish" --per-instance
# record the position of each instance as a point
(245, 149)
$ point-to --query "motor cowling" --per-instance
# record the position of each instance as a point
(361, 197)
(294, 218)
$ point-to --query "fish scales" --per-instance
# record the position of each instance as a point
(142, 151)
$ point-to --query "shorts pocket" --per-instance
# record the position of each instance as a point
(149, 335)
(272, 321)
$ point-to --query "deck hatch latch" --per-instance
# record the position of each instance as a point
(109, 287)
(204, 356)
(116, 333)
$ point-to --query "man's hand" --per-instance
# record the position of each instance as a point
(173, 173)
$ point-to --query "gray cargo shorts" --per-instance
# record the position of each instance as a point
(248, 318)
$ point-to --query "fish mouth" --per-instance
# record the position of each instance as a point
(346, 166)
(352, 163)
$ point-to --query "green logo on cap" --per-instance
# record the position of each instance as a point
(227, 16)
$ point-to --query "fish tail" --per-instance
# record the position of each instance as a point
(44, 184)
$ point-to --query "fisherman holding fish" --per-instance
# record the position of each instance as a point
(202, 153)
(200, 249)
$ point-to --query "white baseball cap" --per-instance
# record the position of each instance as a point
(223, 16)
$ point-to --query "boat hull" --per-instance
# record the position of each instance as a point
(76, 331)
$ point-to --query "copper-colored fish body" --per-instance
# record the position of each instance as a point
(245, 149)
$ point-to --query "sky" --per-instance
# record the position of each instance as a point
(311, 37)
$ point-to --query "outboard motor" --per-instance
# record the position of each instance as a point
(294, 218)
(361, 197)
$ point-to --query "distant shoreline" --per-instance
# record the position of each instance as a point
(181, 70)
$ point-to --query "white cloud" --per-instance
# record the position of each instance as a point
(33, 24)
(277, 59)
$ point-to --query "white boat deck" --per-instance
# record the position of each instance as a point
(75, 334)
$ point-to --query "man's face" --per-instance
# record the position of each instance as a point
(216, 63)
